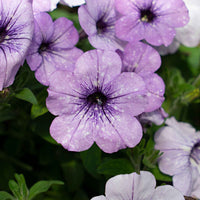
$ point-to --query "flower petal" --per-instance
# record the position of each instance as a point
(100, 66)
(74, 133)
(117, 131)
(167, 192)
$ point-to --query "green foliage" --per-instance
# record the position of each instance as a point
(21, 192)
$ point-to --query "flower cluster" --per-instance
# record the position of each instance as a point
(107, 94)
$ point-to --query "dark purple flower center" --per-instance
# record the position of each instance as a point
(97, 98)
(3, 34)
(101, 26)
(195, 153)
(43, 47)
(146, 15)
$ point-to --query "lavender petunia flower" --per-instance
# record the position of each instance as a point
(44, 5)
(137, 187)
(152, 20)
(181, 158)
(96, 103)
(97, 18)
(16, 31)
(52, 47)
(72, 3)
(145, 60)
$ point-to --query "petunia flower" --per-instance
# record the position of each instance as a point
(16, 31)
(138, 187)
(180, 144)
(72, 3)
(145, 60)
(44, 5)
(152, 20)
(52, 47)
(97, 18)
(96, 103)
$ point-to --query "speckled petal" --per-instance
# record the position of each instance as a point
(86, 21)
(117, 131)
(64, 98)
(128, 93)
(100, 66)
(159, 34)
(125, 7)
(129, 28)
(155, 94)
(18, 17)
(73, 132)
(140, 58)
(65, 34)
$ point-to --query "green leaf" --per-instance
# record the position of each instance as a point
(38, 110)
(160, 176)
(14, 187)
(6, 196)
(22, 186)
(91, 160)
(27, 95)
(115, 166)
(42, 186)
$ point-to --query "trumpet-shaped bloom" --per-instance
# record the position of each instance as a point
(96, 103)
(144, 60)
(152, 20)
(138, 187)
(180, 144)
(52, 47)
(97, 18)
(16, 31)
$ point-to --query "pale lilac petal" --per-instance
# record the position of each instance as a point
(95, 8)
(74, 133)
(65, 34)
(156, 89)
(171, 15)
(100, 66)
(120, 187)
(87, 22)
(64, 98)
(99, 198)
(144, 185)
(183, 182)
(108, 42)
(167, 192)
(131, 186)
(17, 16)
(180, 136)
(117, 131)
(45, 26)
(128, 28)
(124, 6)
(129, 93)
(160, 34)
(140, 58)
(44, 5)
